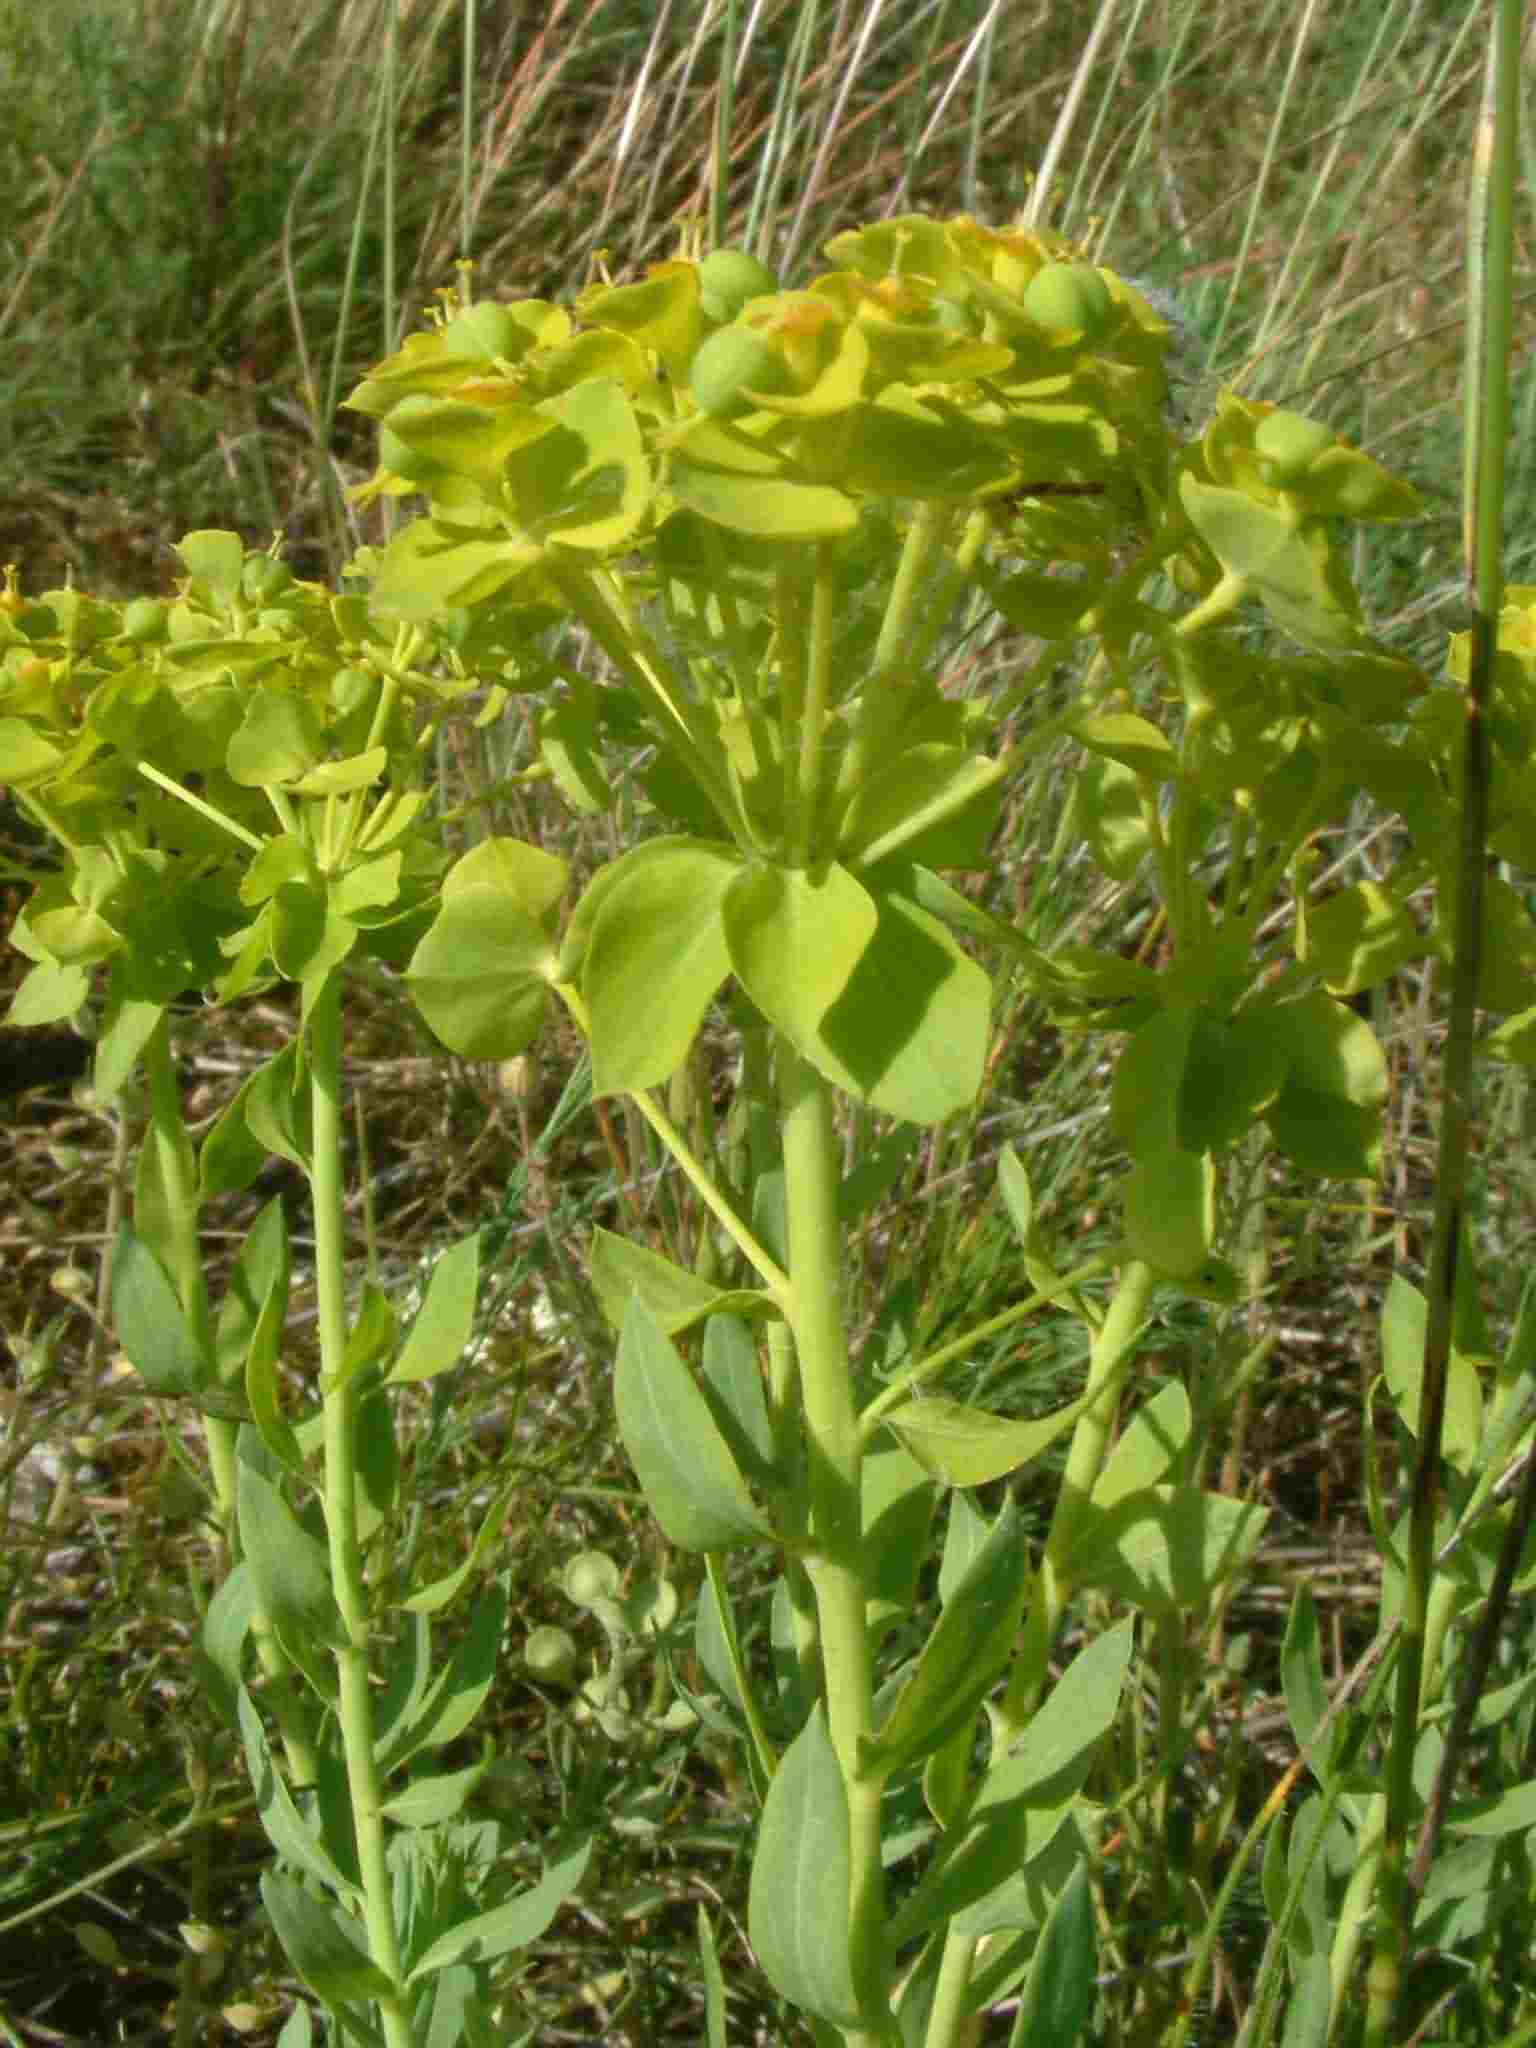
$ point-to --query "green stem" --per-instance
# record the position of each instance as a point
(947, 2015)
(347, 1582)
(1490, 243)
(770, 1271)
(814, 708)
(814, 1310)
(1114, 1347)
(178, 1184)
(177, 1175)
(900, 1389)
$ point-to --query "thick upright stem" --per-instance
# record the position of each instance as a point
(347, 1582)
(836, 1561)
(178, 1188)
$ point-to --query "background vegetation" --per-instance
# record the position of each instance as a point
(220, 212)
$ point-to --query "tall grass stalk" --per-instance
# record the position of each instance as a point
(1490, 244)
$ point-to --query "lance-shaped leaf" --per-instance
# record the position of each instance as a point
(682, 1461)
(290, 1567)
(1060, 1990)
(289, 1833)
(1149, 1446)
(798, 1905)
(440, 1334)
(966, 1653)
(967, 1446)
(320, 1943)
(510, 1926)
(676, 1298)
(1166, 1549)
(152, 1326)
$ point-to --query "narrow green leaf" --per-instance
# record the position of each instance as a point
(290, 1567)
(222, 1639)
(1060, 1990)
(320, 1944)
(1404, 1320)
(262, 1387)
(898, 1498)
(798, 1904)
(129, 1027)
(1166, 1549)
(1301, 1673)
(965, 1654)
(277, 1106)
(377, 1456)
(290, 1835)
(260, 1267)
(1148, 1448)
(440, 1334)
(684, 1466)
(731, 1381)
(438, 1796)
(714, 1985)
(151, 1325)
(966, 1446)
(1507, 1813)
(370, 1339)
(510, 1926)
(454, 1698)
(676, 1298)
(1049, 1762)
(432, 1598)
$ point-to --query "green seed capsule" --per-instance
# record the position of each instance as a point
(1288, 444)
(591, 1576)
(264, 579)
(728, 278)
(732, 365)
(144, 619)
(1069, 298)
(550, 1654)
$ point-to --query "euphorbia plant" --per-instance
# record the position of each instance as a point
(773, 518)
(236, 781)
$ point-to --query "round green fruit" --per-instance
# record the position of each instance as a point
(591, 1576)
(728, 278)
(144, 619)
(550, 1654)
(730, 366)
(482, 330)
(1288, 444)
(264, 579)
(1069, 298)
